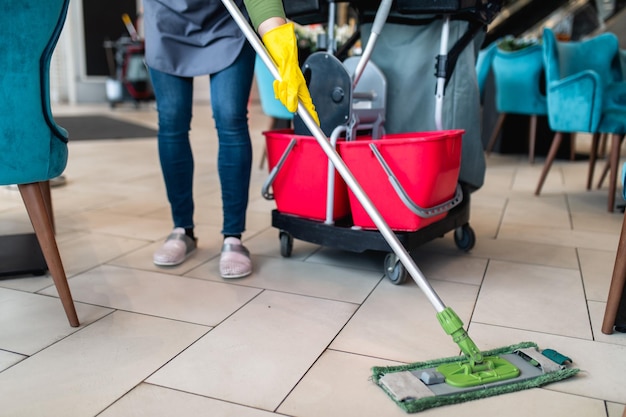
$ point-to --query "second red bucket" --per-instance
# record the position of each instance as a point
(426, 165)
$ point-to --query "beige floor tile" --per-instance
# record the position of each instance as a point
(597, 269)
(526, 252)
(304, 278)
(397, 322)
(602, 364)
(257, 355)
(615, 410)
(178, 298)
(589, 211)
(485, 220)
(84, 373)
(31, 322)
(123, 225)
(536, 298)
(459, 268)
(28, 283)
(89, 251)
(15, 221)
(368, 260)
(339, 384)
(267, 243)
(549, 211)
(10, 199)
(8, 359)
(557, 236)
(596, 312)
(148, 400)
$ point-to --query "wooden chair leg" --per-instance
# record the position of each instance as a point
(593, 156)
(607, 165)
(495, 133)
(532, 135)
(617, 283)
(47, 199)
(616, 141)
(603, 174)
(34, 200)
(603, 140)
(556, 143)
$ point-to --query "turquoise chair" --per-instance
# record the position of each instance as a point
(584, 94)
(483, 66)
(270, 105)
(33, 149)
(518, 76)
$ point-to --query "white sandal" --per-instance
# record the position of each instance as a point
(235, 259)
(177, 247)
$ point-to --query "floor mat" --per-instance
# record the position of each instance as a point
(90, 127)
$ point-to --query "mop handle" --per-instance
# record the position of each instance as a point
(340, 166)
(379, 21)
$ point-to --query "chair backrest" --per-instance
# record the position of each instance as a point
(563, 59)
(32, 147)
(518, 76)
(270, 105)
(483, 66)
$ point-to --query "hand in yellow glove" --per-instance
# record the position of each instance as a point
(282, 47)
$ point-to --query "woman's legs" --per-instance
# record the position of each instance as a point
(230, 93)
(174, 103)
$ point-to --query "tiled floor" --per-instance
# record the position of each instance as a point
(299, 336)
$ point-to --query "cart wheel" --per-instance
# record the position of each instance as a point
(464, 237)
(394, 270)
(286, 244)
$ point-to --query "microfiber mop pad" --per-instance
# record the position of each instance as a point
(414, 388)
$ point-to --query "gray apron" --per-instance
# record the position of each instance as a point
(190, 37)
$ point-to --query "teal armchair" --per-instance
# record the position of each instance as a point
(33, 149)
(270, 105)
(584, 94)
(518, 76)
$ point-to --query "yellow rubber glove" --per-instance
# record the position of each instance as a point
(282, 47)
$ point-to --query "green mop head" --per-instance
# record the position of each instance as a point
(413, 395)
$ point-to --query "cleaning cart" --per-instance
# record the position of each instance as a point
(418, 386)
(411, 178)
(129, 79)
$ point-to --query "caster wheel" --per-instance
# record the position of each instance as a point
(286, 244)
(464, 237)
(394, 270)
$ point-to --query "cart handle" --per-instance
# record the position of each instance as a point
(330, 186)
(270, 179)
(411, 205)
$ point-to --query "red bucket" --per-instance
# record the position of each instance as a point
(425, 164)
(300, 186)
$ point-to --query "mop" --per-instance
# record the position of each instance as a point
(474, 374)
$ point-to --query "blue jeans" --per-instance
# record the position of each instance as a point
(230, 92)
